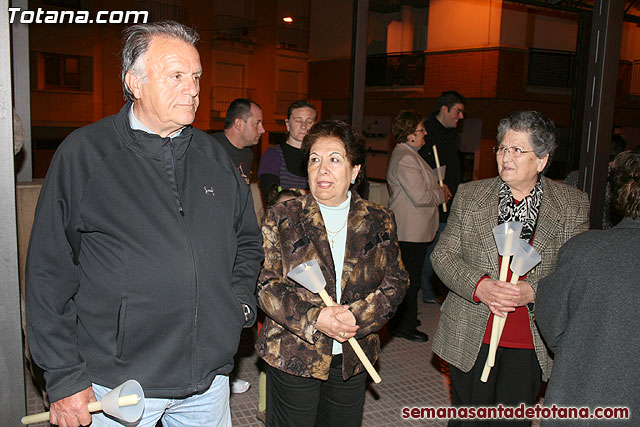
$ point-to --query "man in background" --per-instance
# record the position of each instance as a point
(243, 127)
(442, 131)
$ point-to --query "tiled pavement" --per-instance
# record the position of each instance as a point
(411, 376)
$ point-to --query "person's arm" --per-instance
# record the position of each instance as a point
(420, 189)
(53, 279)
(376, 308)
(269, 170)
(553, 300)
(447, 258)
(279, 298)
(267, 182)
(249, 253)
(576, 223)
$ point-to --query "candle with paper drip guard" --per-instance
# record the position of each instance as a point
(506, 235)
(439, 173)
(309, 275)
(524, 259)
(125, 402)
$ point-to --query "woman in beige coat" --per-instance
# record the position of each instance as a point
(414, 198)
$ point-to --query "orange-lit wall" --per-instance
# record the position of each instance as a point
(472, 73)
(630, 46)
(330, 29)
(462, 24)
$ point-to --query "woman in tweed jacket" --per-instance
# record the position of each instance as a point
(313, 378)
(467, 261)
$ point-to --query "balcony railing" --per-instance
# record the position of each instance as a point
(635, 78)
(292, 39)
(284, 99)
(159, 11)
(234, 28)
(397, 69)
(222, 96)
(551, 68)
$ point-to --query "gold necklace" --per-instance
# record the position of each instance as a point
(333, 234)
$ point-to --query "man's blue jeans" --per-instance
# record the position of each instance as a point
(428, 275)
(210, 408)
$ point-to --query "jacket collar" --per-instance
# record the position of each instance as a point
(357, 225)
(551, 212)
(146, 144)
(548, 223)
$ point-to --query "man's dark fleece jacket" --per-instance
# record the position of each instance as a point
(142, 253)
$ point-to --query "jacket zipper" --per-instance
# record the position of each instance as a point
(173, 180)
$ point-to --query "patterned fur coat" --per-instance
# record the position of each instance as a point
(467, 251)
(374, 282)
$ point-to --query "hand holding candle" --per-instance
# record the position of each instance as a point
(440, 181)
(525, 257)
(506, 235)
(125, 402)
(308, 274)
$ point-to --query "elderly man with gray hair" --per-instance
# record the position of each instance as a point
(145, 250)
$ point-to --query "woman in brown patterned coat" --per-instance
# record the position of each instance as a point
(313, 377)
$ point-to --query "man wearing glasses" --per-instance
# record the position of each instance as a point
(282, 165)
(442, 132)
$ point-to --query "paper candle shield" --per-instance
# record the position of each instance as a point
(130, 413)
(309, 275)
(441, 172)
(524, 259)
(506, 235)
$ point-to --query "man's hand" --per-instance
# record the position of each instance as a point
(504, 297)
(72, 411)
(337, 322)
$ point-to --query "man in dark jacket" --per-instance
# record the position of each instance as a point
(442, 131)
(243, 127)
(145, 249)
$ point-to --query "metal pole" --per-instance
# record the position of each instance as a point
(21, 88)
(358, 63)
(606, 34)
(12, 390)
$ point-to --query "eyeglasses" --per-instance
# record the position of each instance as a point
(515, 152)
(421, 130)
(458, 110)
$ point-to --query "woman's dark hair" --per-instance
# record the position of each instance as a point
(404, 124)
(625, 183)
(275, 192)
(353, 143)
(541, 130)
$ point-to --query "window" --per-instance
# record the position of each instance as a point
(65, 72)
(551, 68)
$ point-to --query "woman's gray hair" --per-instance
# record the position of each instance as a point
(136, 39)
(541, 130)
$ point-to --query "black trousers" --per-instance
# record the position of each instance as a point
(516, 378)
(412, 254)
(294, 401)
